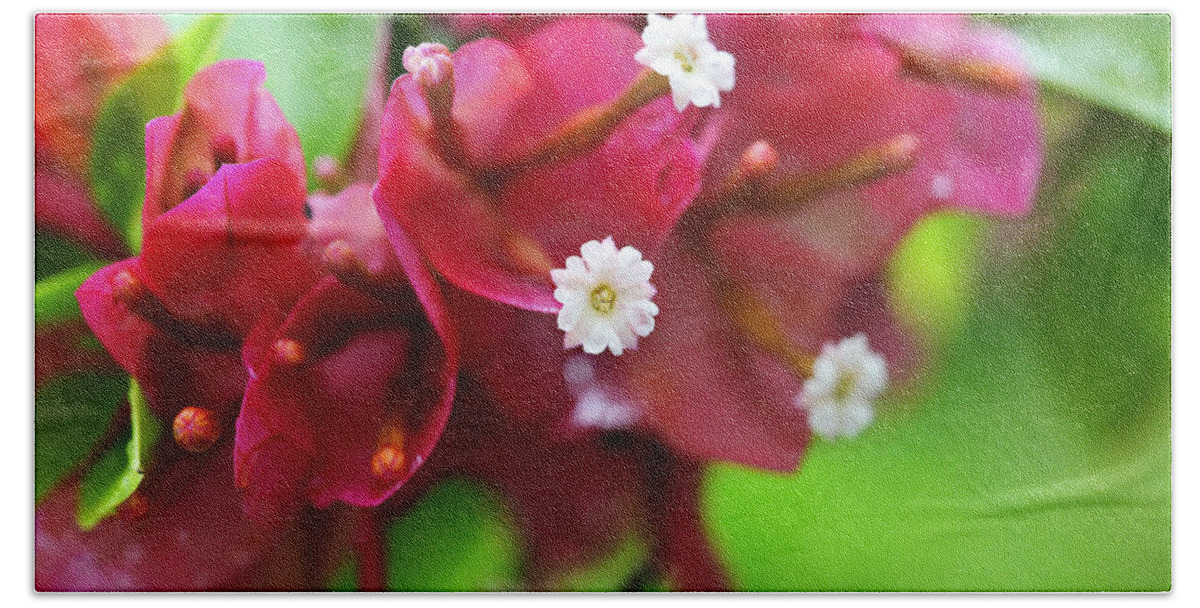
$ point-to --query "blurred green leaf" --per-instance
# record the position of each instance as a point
(1107, 283)
(178, 22)
(1041, 458)
(70, 414)
(456, 538)
(197, 45)
(1120, 61)
(54, 297)
(118, 162)
(317, 67)
(53, 254)
(344, 578)
(931, 274)
(118, 165)
(119, 472)
(609, 573)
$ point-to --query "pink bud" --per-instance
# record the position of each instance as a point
(429, 63)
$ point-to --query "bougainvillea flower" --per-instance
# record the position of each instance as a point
(175, 316)
(605, 293)
(227, 117)
(847, 377)
(678, 47)
(187, 532)
(349, 391)
(346, 399)
(463, 172)
(826, 181)
(809, 191)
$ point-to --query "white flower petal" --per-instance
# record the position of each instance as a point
(679, 48)
(846, 379)
(602, 272)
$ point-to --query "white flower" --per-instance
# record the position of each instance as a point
(606, 298)
(679, 49)
(846, 379)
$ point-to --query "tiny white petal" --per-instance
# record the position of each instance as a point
(846, 380)
(605, 294)
(679, 49)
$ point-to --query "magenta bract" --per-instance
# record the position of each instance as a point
(227, 117)
(505, 97)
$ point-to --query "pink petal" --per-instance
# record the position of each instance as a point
(228, 117)
(233, 249)
(173, 371)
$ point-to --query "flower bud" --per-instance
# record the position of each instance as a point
(430, 64)
(288, 352)
(195, 429)
(387, 464)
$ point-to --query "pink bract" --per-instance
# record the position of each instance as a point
(506, 96)
(309, 427)
(227, 117)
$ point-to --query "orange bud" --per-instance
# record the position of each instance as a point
(195, 429)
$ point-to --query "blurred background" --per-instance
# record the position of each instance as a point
(1034, 453)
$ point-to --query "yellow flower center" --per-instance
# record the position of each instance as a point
(685, 57)
(603, 299)
(845, 385)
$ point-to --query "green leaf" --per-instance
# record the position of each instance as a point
(54, 297)
(456, 538)
(1122, 62)
(609, 573)
(317, 67)
(177, 23)
(197, 45)
(53, 254)
(70, 414)
(119, 472)
(931, 274)
(344, 578)
(118, 166)
(1041, 458)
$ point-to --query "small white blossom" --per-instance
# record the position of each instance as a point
(605, 295)
(597, 409)
(679, 49)
(846, 380)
